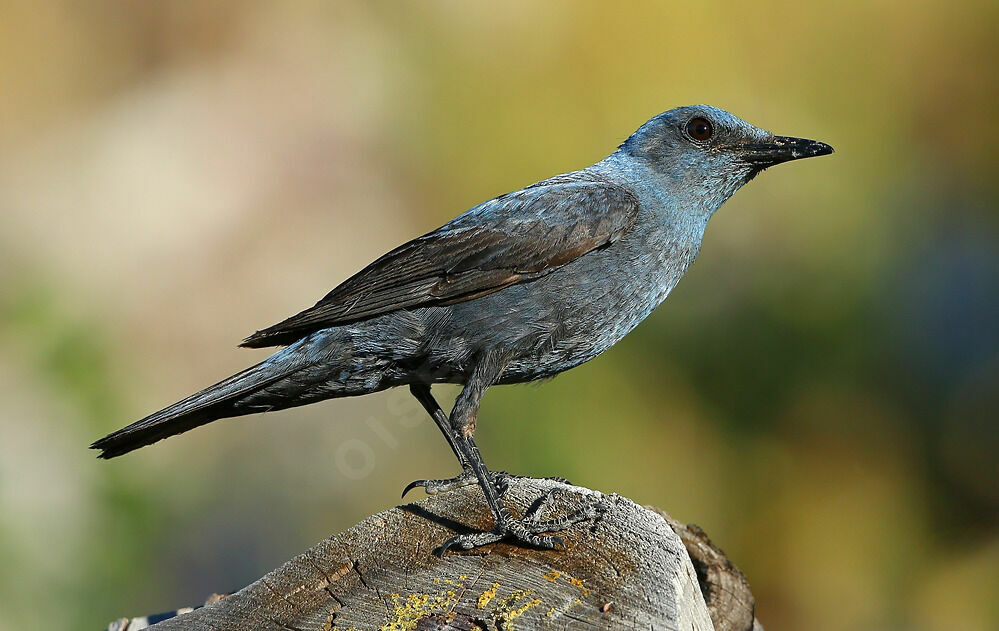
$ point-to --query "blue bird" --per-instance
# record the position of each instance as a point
(519, 288)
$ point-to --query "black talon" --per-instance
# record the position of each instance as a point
(446, 546)
(412, 485)
(433, 487)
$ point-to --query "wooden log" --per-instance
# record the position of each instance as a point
(627, 569)
(724, 587)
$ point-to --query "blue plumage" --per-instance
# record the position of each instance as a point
(519, 288)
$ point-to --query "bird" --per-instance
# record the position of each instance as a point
(517, 289)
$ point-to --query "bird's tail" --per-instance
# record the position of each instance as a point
(221, 400)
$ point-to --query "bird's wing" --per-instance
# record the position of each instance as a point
(511, 239)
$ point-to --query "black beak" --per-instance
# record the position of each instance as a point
(782, 149)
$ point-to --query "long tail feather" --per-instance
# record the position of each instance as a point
(212, 403)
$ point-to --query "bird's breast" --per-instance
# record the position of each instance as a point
(582, 309)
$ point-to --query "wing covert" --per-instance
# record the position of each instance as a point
(511, 239)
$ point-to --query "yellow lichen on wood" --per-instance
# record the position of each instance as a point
(510, 608)
(578, 584)
(410, 610)
(554, 575)
(486, 596)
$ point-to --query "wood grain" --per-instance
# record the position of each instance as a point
(626, 570)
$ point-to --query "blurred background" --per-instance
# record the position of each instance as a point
(819, 393)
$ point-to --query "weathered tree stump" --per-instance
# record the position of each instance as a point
(627, 569)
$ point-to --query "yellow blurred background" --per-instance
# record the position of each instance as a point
(819, 394)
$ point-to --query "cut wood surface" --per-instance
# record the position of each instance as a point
(627, 569)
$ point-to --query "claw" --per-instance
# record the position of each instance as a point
(433, 487)
(446, 546)
(412, 485)
(501, 482)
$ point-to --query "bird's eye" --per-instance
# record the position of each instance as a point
(699, 129)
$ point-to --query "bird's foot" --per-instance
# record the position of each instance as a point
(530, 529)
(501, 481)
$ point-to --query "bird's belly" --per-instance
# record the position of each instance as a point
(585, 328)
(565, 318)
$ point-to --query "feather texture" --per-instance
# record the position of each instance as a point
(510, 239)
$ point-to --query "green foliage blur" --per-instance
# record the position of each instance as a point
(819, 393)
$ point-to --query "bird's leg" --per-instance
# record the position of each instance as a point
(462, 426)
(422, 393)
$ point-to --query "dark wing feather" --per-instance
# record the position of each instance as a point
(510, 239)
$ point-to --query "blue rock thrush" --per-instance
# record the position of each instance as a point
(519, 288)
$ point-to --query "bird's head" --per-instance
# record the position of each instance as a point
(703, 154)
